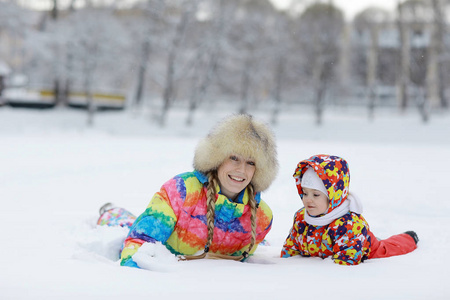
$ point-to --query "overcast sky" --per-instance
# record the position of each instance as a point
(350, 7)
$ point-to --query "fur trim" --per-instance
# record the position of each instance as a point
(240, 134)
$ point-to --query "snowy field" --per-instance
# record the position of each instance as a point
(55, 173)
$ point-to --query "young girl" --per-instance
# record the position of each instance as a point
(330, 223)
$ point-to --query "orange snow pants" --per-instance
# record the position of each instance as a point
(395, 245)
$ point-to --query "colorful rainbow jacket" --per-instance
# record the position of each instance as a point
(346, 239)
(176, 216)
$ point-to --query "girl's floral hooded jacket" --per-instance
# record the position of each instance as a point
(176, 217)
(346, 239)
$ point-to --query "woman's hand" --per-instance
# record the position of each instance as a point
(154, 257)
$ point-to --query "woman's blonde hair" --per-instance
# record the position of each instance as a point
(210, 213)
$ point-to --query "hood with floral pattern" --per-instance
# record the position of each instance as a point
(333, 171)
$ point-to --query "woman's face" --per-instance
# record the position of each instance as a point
(235, 173)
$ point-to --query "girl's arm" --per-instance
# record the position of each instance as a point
(290, 247)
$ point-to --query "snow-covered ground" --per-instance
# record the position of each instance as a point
(55, 173)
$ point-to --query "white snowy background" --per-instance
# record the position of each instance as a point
(55, 173)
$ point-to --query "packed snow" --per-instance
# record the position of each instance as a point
(55, 173)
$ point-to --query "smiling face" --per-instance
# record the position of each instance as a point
(235, 173)
(315, 202)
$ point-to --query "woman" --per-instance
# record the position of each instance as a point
(214, 211)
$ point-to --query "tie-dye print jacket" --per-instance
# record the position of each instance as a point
(176, 217)
(346, 239)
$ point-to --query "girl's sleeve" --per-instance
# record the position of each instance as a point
(156, 223)
(290, 247)
(349, 240)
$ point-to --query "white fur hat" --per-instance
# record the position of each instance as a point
(242, 135)
(311, 180)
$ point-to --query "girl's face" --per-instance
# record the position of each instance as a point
(235, 173)
(315, 202)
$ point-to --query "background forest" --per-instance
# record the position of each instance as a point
(153, 55)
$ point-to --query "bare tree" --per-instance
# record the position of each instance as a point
(96, 43)
(57, 91)
(209, 50)
(13, 22)
(417, 16)
(371, 21)
(181, 22)
(54, 11)
(153, 13)
(248, 52)
(282, 47)
(403, 75)
(439, 49)
(321, 26)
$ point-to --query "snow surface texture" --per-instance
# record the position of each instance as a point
(56, 173)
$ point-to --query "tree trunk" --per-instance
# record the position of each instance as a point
(199, 89)
(438, 36)
(423, 105)
(320, 93)
(245, 86)
(55, 10)
(90, 105)
(432, 73)
(168, 89)
(57, 92)
(403, 79)
(91, 108)
(171, 60)
(141, 74)
(277, 90)
(372, 64)
(319, 85)
(66, 93)
(201, 84)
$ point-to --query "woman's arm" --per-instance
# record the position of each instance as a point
(156, 223)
